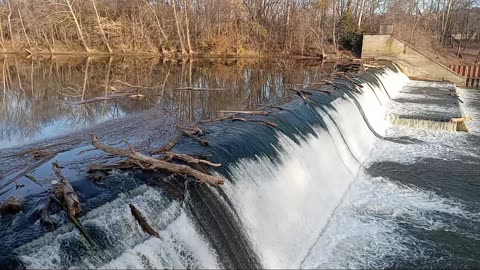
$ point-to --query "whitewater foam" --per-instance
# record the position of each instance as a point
(123, 243)
(366, 230)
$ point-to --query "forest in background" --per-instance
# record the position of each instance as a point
(183, 28)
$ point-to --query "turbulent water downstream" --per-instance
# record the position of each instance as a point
(335, 185)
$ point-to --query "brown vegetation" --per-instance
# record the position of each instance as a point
(180, 28)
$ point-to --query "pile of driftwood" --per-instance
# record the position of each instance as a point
(165, 160)
(344, 76)
(66, 199)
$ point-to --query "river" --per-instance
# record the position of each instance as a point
(334, 183)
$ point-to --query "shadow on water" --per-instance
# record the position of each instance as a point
(39, 97)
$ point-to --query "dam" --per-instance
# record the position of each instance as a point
(373, 170)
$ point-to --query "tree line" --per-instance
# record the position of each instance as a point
(236, 27)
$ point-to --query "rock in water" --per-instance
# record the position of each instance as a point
(11, 206)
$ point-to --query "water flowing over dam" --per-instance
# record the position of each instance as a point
(336, 184)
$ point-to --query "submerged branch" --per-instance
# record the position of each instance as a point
(75, 222)
(26, 171)
(142, 221)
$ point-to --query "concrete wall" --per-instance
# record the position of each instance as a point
(413, 63)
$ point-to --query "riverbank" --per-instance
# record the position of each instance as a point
(75, 50)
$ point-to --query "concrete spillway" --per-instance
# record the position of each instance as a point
(412, 61)
(428, 105)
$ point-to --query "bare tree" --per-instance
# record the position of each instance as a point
(179, 30)
(69, 4)
(9, 17)
(100, 26)
(159, 25)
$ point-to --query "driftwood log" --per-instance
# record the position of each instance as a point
(68, 193)
(189, 159)
(302, 95)
(26, 171)
(156, 164)
(191, 134)
(75, 221)
(246, 112)
(142, 221)
(133, 86)
(33, 179)
(373, 65)
(166, 147)
(216, 119)
(200, 89)
(103, 98)
(455, 96)
(267, 123)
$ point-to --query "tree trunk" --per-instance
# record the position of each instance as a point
(179, 32)
(160, 28)
(287, 25)
(187, 26)
(104, 36)
(334, 26)
(445, 22)
(360, 15)
(2, 37)
(24, 30)
(69, 4)
(10, 24)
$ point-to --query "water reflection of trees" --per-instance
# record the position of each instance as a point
(39, 92)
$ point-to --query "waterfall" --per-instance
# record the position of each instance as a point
(283, 187)
(286, 203)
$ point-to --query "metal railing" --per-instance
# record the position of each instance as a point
(471, 72)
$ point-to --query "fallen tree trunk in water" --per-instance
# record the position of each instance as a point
(155, 164)
(142, 221)
(75, 222)
(69, 195)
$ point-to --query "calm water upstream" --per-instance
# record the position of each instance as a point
(40, 97)
(333, 184)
